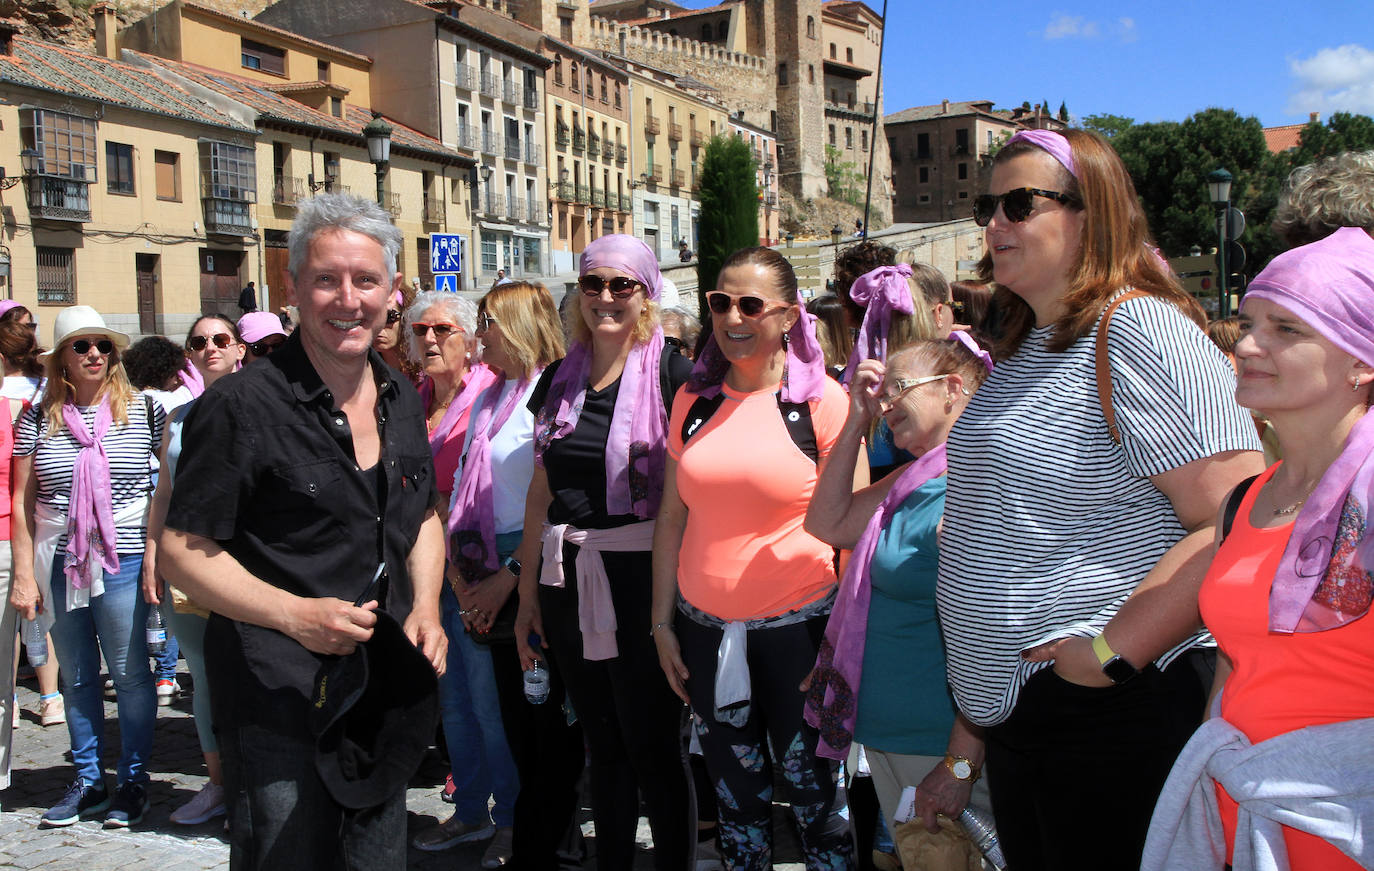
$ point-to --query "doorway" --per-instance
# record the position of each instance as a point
(219, 282)
(145, 266)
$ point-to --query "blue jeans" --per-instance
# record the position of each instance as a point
(471, 714)
(114, 622)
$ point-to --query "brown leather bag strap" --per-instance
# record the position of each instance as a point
(1104, 368)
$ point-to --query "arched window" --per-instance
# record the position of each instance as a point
(811, 27)
(573, 74)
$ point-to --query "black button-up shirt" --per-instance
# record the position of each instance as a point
(267, 470)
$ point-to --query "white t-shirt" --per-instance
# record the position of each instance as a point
(512, 457)
(25, 387)
(1049, 526)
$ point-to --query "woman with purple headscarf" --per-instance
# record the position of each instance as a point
(1289, 590)
(601, 414)
(741, 590)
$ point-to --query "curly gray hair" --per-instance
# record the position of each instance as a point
(461, 311)
(341, 212)
(1322, 197)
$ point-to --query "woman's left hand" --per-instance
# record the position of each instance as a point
(940, 792)
(1074, 660)
(483, 600)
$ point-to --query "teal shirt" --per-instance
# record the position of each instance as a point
(904, 703)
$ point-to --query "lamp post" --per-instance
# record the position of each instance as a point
(835, 234)
(1219, 187)
(378, 135)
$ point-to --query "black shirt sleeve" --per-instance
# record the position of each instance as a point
(215, 469)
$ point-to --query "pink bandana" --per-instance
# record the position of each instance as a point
(1053, 143)
(91, 536)
(881, 292)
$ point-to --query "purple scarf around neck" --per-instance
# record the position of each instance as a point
(881, 292)
(803, 373)
(832, 702)
(478, 378)
(91, 536)
(472, 520)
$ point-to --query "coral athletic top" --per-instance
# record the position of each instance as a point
(1280, 682)
(746, 486)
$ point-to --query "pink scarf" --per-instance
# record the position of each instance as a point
(472, 520)
(803, 373)
(479, 377)
(881, 292)
(91, 537)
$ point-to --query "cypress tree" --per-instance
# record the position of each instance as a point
(729, 208)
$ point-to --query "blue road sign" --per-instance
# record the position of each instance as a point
(448, 283)
(446, 252)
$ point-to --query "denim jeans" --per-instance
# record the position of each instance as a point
(471, 713)
(114, 623)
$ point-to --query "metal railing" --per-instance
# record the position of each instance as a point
(531, 98)
(467, 136)
(654, 171)
(565, 190)
(534, 212)
(491, 142)
(463, 76)
(579, 140)
(770, 198)
(620, 155)
(674, 131)
(510, 92)
(287, 191)
(392, 203)
(513, 150)
(434, 210)
(561, 138)
(496, 204)
(229, 217)
(491, 85)
(582, 195)
(608, 151)
(534, 153)
(679, 177)
(515, 208)
(651, 125)
(62, 198)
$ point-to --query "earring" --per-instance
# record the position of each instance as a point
(1355, 385)
(786, 339)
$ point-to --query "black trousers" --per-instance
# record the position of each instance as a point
(1075, 771)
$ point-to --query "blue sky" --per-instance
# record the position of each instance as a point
(1155, 61)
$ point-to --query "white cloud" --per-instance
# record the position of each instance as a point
(1063, 26)
(1125, 29)
(1339, 79)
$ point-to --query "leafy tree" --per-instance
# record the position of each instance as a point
(729, 208)
(844, 178)
(1108, 126)
(1343, 131)
(1064, 112)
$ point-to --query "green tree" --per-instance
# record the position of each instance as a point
(1343, 131)
(1064, 112)
(729, 208)
(843, 178)
(1108, 126)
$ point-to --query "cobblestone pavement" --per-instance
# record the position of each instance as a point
(41, 772)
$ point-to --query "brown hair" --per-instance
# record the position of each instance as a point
(1225, 333)
(529, 323)
(941, 357)
(832, 332)
(854, 261)
(1117, 250)
(772, 261)
(19, 347)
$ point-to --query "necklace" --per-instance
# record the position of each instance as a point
(1289, 509)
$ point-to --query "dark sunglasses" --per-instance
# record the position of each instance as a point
(484, 321)
(263, 347)
(441, 331)
(81, 346)
(621, 286)
(1017, 204)
(198, 343)
(749, 306)
(392, 316)
(675, 343)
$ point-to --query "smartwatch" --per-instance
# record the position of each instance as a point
(1116, 668)
(962, 768)
(513, 565)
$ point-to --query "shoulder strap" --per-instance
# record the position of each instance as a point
(665, 384)
(796, 416)
(1228, 516)
(700, 412)
(148, 413)
(1104, 366)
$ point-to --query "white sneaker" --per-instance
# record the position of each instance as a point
(203, 806)
(167, 691)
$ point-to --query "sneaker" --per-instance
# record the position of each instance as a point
(167, 691)
(110, 692)
(82, 799)
(52, 712)
(450, 832)
(499, 850)
(130, 801)
(446, 795)
(203, 806)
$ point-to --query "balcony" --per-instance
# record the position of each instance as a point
(570, 5)
(491, 85)
(467, 137)
(534, 212)
(510, 92)
(565, 191)
(579, 143)
(496, 205)
(674, 131)
(515, 208)
(59, 198)
(491, 142)
(534, 154)
(625, 202)
(391, 201)
(679, 177)
(227, 217)
(513, 150)
(561, 138)
(582, 195)
(698, 137)
(959, 150)
(620, 155)
(599, 198)
(651, 125)
(434, 210)
(858, 111)
(770, 198)
(463, 76)
(608, 151)
(654, 172)
(531, 98)
(287, 191)
(593, 145)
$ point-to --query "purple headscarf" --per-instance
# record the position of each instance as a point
(7, 304)
(1053, 143)
(1323, 580)
(636, 449)
(881, 292)
(803, 373)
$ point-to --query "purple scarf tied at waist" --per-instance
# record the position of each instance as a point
(833, 700)
(595, 610)
(882, 292)
(472, 518)
(91, 535)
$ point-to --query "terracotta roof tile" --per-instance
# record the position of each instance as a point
(1281, 139)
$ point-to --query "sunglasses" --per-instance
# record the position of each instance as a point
(82, 346)
(441, 331)
(905, 386)
(1017, 204)
(955, 306)
(749, 306)
(675, 343)
(484, 322)
(392, 316)
(263, 347)
(199, 343)
(621, 286)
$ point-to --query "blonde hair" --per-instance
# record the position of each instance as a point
(529, 323)
(115, 385)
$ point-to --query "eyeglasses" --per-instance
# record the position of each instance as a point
(905, 386)
(392, 316)
(198, 343)
(484, 321)
(621, 286)
(955, 306)
(749, 306)
(82, 346)
(263, 347)
(1017, 204)
(441, 331)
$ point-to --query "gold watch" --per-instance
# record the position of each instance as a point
(962, 768)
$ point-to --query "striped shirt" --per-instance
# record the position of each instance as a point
(127, 447)
(1049, 526)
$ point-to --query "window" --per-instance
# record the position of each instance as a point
(782, 74)
(603, 90)
(849, 138)
(963, 195)
(617, 95)
(675, 235)
(849, 55)
(489, 252)
(773, 121)
(530, 249)
(863, 139)
(228, 177)
(650, 213)
(923, 198)
(336, 106)
(565, 30)
(924, 175)
(811, 74)
(256, 56)
(832, 51)
(832, 134)
(811, 27)
(65, 143)
(322, 70)
(961, 140)
(56, 276)
(922, 146)
(572, 70)
(119, 168)
(557, 70)
(963, 171)
(706, 32)
(167, 165)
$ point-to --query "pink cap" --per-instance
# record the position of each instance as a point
(256, 326)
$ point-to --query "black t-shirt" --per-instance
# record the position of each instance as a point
(576, 463)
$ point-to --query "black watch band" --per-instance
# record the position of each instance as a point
(513, 565)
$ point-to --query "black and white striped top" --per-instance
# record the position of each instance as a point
(127, 447)
(1048, 524)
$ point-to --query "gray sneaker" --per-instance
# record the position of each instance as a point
(452, 832)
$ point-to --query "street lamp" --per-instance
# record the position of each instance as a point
(378, 135)
(835, 234)
(1219, 187)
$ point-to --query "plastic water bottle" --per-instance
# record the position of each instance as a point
(978, 825)
(537, 678)
(35, 643)
(156, 633)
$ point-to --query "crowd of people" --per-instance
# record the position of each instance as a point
(1045, 546)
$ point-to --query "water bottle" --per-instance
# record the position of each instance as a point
(156, 633)
(978, 825)
(35, 643)
(537, 678)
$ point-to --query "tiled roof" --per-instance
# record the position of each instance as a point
(307, 87)
(272, 107)
(51, 67)
(1281, 139)
(926, 113)
(275, 31)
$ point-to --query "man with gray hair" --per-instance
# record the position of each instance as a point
(1320, 198)
(304, 518)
